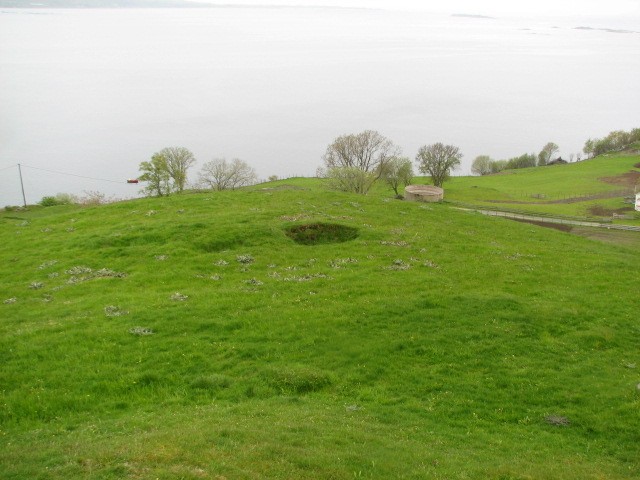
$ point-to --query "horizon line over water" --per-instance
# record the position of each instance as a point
(614, 12)
(96, 92)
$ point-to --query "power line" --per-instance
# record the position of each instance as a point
(7, 168)
(72, 174)
(24, 197)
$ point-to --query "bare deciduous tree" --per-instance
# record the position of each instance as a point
(178, 160)
(437, 161)
(219, 174)
(155, 174)
(398, 172)
(482, 165)
(546, 153)
(355, 162)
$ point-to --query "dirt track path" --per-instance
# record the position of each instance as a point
(554, 220)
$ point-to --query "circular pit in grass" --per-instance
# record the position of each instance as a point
(318, 233)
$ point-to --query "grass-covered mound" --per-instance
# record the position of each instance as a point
(190, 337)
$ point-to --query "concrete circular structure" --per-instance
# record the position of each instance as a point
(423, 193)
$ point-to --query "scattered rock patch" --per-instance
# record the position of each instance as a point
(557, 420)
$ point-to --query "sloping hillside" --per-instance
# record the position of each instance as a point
(596, 188)
(192, 337)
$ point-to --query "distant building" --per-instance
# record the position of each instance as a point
(557, 161)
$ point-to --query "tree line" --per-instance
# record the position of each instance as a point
(355, 162)
(614, 142)
(167, 171)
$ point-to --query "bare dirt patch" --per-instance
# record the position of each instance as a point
(600, 211)
(584, 198)
(557, 420)
(628, 179)
(614, 237)
(556, 226)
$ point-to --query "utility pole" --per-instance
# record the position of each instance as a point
(24, 199)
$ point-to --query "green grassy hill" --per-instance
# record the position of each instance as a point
(592, 188)
(191, 337)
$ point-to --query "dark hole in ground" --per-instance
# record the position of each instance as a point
(317, 233)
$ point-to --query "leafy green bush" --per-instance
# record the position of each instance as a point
(614, 142)
(58, 199)
(48, 202)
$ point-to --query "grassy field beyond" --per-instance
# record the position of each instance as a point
(598, 187)
(191, 337)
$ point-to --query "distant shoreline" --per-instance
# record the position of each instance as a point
(131, 4)
(91, 4)
(467, 15)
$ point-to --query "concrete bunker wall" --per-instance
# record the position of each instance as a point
(423, 193)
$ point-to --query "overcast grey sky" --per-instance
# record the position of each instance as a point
(486, 7)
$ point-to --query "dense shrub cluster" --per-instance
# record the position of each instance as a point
(485, 165)
(88, 198)
(58, 199)
(614, 142)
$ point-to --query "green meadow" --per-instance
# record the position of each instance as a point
(591, 188)
(288, 331)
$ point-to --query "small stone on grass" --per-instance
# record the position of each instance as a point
(141, 331)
